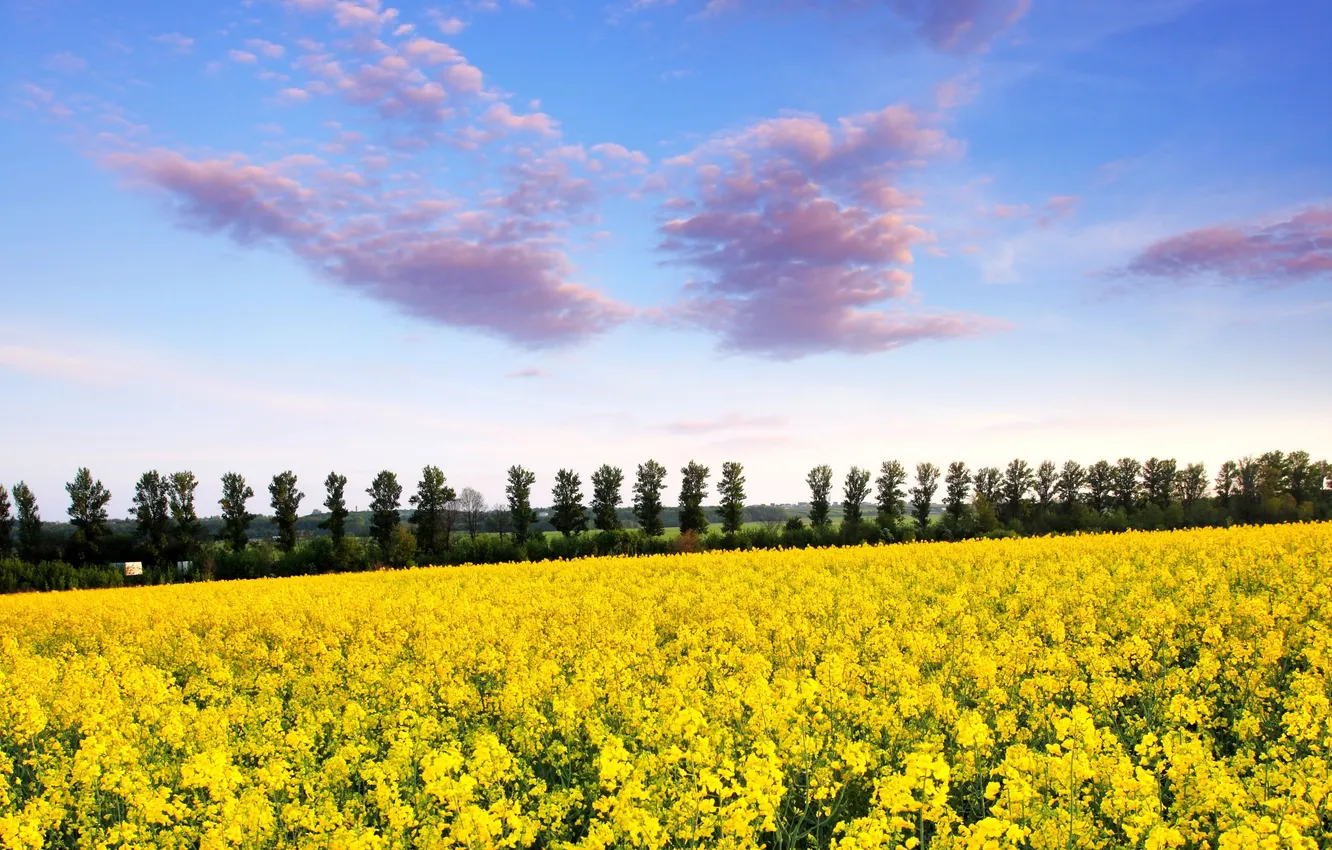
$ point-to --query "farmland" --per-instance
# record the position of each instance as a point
(1136, 690)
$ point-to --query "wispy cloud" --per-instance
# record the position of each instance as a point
(177, 42)
(65, 63)
(1278, 251)
(951, 26)
(730, 422)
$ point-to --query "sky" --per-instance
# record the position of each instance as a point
(345, 235)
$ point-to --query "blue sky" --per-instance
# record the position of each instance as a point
(344, 234)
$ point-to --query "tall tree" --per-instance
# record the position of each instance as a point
(648, 484)
(1126, 487)
(1191, 484)
(731, 489)
(1072, 478)
(499, 520)
(1158, 481)
(957, 486)
(568, 515)
(472, 509)
(433, 501)
(1273, 474)
(186, 527)
(1018, 480)
(889, 493)
(606, 484)
(235, 518)
(1100, 485)
(285, 500)
(29, 523)
(1299, 473)
(152, 512)
(693, 487)
(1248, 480)
(6, 523)
(519, 493)
(855, 490)
(335, 502)
(989, 483)
(927, 482)
(1227, 479)
(1047, 476)
(820, 486)
(87, 513)
(385, 498)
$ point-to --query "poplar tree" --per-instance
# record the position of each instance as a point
(1300, 475)
(1191, 484)
(6, 522)
(335, 502)
(693, 487)
(385, 498)
(1100, 485)
(433, 500)
(606, 484)
(1045, 482)
(989, 485)
(285, 500)
(820, 486)
(186, 526)
(731, 489)
(29, 523)
(1226, 479)
(889, 493)
(519, 493)
(1126, 483)
(648, 484)
(235, 518)
(1158, 481)
(568, 516)
(957, 486)
(87, 513)
(1072, 478)
(152, 511)
(1017, 481)
(855, 489)
(927, 482)
(1247, 479)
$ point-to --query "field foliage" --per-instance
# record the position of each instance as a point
(1138, 690)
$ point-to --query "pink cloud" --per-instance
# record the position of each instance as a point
(66, 63)
(501, 117)
(1055, 208)
(467, 269)
(242, 57)
(962, 26)
(952, 26)
(39, 99)
(177, 42)
(796, 229)
(265, 48)
(350, 14)
(530, 372)
(451, 26)
(1278, 252)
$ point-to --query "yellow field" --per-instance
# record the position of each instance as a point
(1140, 690)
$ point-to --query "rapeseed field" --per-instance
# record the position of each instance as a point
(1147, 690)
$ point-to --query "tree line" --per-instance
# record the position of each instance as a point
(446, 526)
